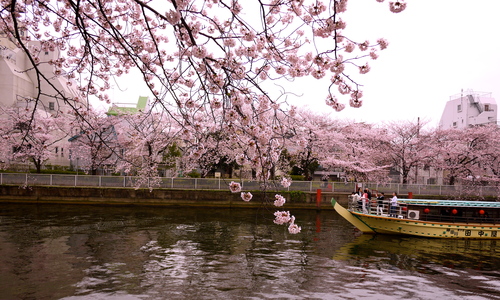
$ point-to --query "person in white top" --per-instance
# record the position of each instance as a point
(394, 204)
(355, 201)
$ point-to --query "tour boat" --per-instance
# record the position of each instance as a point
(428, 218)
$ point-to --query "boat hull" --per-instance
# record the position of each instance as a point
(387, 225)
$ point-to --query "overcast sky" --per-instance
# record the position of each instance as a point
(436, 49)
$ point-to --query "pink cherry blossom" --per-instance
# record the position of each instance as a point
(382, 43)
(294, 228)
(286, 182)
(332, 101)
(235, 187)
(397, 6)
(364, 46)
(318, 74)
(364, 69)
(246, 196)
(282, 217)
(349, 47)
(280, 200)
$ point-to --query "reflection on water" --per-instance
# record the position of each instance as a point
(481, 255)
(85, 252)
(468, 268)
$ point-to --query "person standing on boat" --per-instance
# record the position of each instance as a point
(380, 203)
(355, 201)
(369, 202)
(394, 204)
(366, 201)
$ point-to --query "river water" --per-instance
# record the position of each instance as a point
(87, 252)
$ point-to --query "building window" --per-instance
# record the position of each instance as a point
(454, 124)
(51, 105)
(486, 107)
(459, 108)
(46, 52)
(57, 149)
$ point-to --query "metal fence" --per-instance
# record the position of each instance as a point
(28, 179)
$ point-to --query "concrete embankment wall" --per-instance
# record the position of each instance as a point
(161, 197)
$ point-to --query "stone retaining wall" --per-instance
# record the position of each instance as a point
(164, 197)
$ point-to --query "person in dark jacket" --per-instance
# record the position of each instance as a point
(380, 203)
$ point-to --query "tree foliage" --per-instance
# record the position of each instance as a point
(469, 154)
(209, 64)
(409, 147)
(29, 136)
(94, 145)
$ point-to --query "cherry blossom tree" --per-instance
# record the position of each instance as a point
(409, 148)
(466, 154)
(210, 64)
(94, 145)
(361, 152)
(356, 148)
(311, 136)
(214, 159)
(210, 149)
(145, 140)
(30, 135)
(225, 52)
(491, 158)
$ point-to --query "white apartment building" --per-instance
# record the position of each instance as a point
(469, 108)
(19, 86)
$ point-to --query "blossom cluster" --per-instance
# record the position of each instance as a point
(220, 50)
(284, 218)
(281, 217)
(280, 200)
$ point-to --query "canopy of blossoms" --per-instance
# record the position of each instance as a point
(207, 63)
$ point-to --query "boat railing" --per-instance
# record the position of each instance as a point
(402, 212)
(374, 208)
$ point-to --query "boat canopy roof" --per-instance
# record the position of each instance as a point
(448, 203)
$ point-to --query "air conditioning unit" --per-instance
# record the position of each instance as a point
(413, 214)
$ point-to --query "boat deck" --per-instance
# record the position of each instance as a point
(448, 211)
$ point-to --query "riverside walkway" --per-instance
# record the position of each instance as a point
(30, 179)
